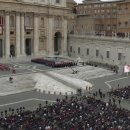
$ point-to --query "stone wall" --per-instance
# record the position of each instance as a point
(103, 44)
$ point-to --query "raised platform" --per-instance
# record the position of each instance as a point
(55, 61)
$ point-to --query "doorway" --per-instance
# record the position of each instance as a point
(12, 50)
(28, 46)
(57, 43)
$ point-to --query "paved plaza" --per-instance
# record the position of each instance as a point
(22, 91)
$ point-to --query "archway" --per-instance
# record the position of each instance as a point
(28, 46)
(57, 43)
(1, 48)
(12, 50)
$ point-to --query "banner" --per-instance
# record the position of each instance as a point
(126, 68)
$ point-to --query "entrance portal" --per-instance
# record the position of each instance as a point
(57, 43)
(12, 50)
(1, 48)
(28, 46)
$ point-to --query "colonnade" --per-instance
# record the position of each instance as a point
(20, 35)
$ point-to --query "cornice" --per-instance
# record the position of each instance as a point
(33, 4)
(114, 40)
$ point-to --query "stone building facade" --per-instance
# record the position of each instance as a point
(123, 17)
(114, 51)
(101, 32)
(109, 18)
(33, 27)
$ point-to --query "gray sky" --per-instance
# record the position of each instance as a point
(79, 1)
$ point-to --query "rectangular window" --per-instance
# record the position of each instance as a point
(12, 23)
(58, 22)
(119, 56)
(28, 32)
(28, 21)
(107, 54)
(42, 22)
(97, 53)
(87, 51)
(57, 1)
(11, 32)
(78, 50)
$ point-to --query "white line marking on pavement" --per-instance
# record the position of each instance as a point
(37, 99)
(32, 99)
(24, 73)
(108, 85)
(39, 70)
(32, 70)
(107, 82)
(117, 79)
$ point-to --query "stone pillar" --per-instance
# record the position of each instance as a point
(36, 34)
(64, 41)
(18, 35)
(64, 4)
(7, 35)
(50, 36)
(22, 35)
(115, 34)
(125, 34)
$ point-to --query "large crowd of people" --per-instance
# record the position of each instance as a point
(75, 113)
(123, 93)
(54, 63)
(71, 113)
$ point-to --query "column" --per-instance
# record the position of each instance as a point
(115, 34)
(18, 34)
(36, 34)
(125, 34)
(22, 35)
(64, 41)
(7, 35)
(50, 36)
